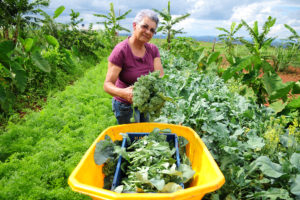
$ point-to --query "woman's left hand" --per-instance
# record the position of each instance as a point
(128, 94)
(158, 66)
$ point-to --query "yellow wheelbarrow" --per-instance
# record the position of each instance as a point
(87, 177)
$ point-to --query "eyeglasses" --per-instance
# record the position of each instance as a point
(146, 27)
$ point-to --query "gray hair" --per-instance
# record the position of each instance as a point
(146, 13)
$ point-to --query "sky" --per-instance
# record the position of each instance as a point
(205, 16)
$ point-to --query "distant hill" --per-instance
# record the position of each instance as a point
(198, 38)
(206, 38)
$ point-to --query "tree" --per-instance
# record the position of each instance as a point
(228, 37)
(260, 41)
(74, 19)
(168, 23)
(14, 15)
(49, 25)
(111, 23)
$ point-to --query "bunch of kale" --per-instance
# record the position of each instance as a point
(148, 94)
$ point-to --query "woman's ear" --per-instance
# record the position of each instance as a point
(134, 25)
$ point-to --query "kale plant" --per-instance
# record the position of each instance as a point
(148, 94)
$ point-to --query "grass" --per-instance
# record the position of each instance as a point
(38, 153)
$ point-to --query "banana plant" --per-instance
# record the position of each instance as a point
(259, 40)
(283, 56)
(111, 22)
(228, 36)
(294, 38)
(168, 23)
(269, 88)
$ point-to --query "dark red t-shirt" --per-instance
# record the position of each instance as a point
(132, 66)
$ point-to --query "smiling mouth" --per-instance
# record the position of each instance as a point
(146, 36)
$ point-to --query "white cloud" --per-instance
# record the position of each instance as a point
(250, 13)
(206, 15)
(260, 11)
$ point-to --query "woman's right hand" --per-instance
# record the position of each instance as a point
(128, 94)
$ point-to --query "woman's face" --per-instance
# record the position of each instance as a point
(144, 30)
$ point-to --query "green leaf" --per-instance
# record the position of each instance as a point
(244, 63)
(295, 187)
(288, 140)
(4, 59)
(172, 171)
(278, 106)
(187, 172)
(15, 66)
(213, 57)
(104, 150)
(52, 40)
(40, 62)
(295, 160)
(119, 189)
(7, 46)
(272, 82)
(158, 183)
(274, 194)
(274, 86)
(182, 141)
(282, 92)
(267, 167)
(171, 187)
(228, 197)
(296, 88)
(21, 80)
(121, 151)
(166, 130)
(142, 176)
(28, 44)
(2, 94)
(267, 68)
(58, 11)
(255, 142)
(295, 103)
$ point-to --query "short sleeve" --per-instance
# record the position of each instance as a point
(117, 55)
(155, 51)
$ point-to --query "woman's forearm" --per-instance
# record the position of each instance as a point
(125, 93)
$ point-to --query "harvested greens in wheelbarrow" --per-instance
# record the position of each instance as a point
(145, 162)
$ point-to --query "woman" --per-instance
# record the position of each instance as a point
(129, 60)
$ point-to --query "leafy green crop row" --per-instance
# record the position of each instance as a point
(257, 151)
(38, 154)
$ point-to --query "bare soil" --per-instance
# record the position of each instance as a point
(291, 74)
